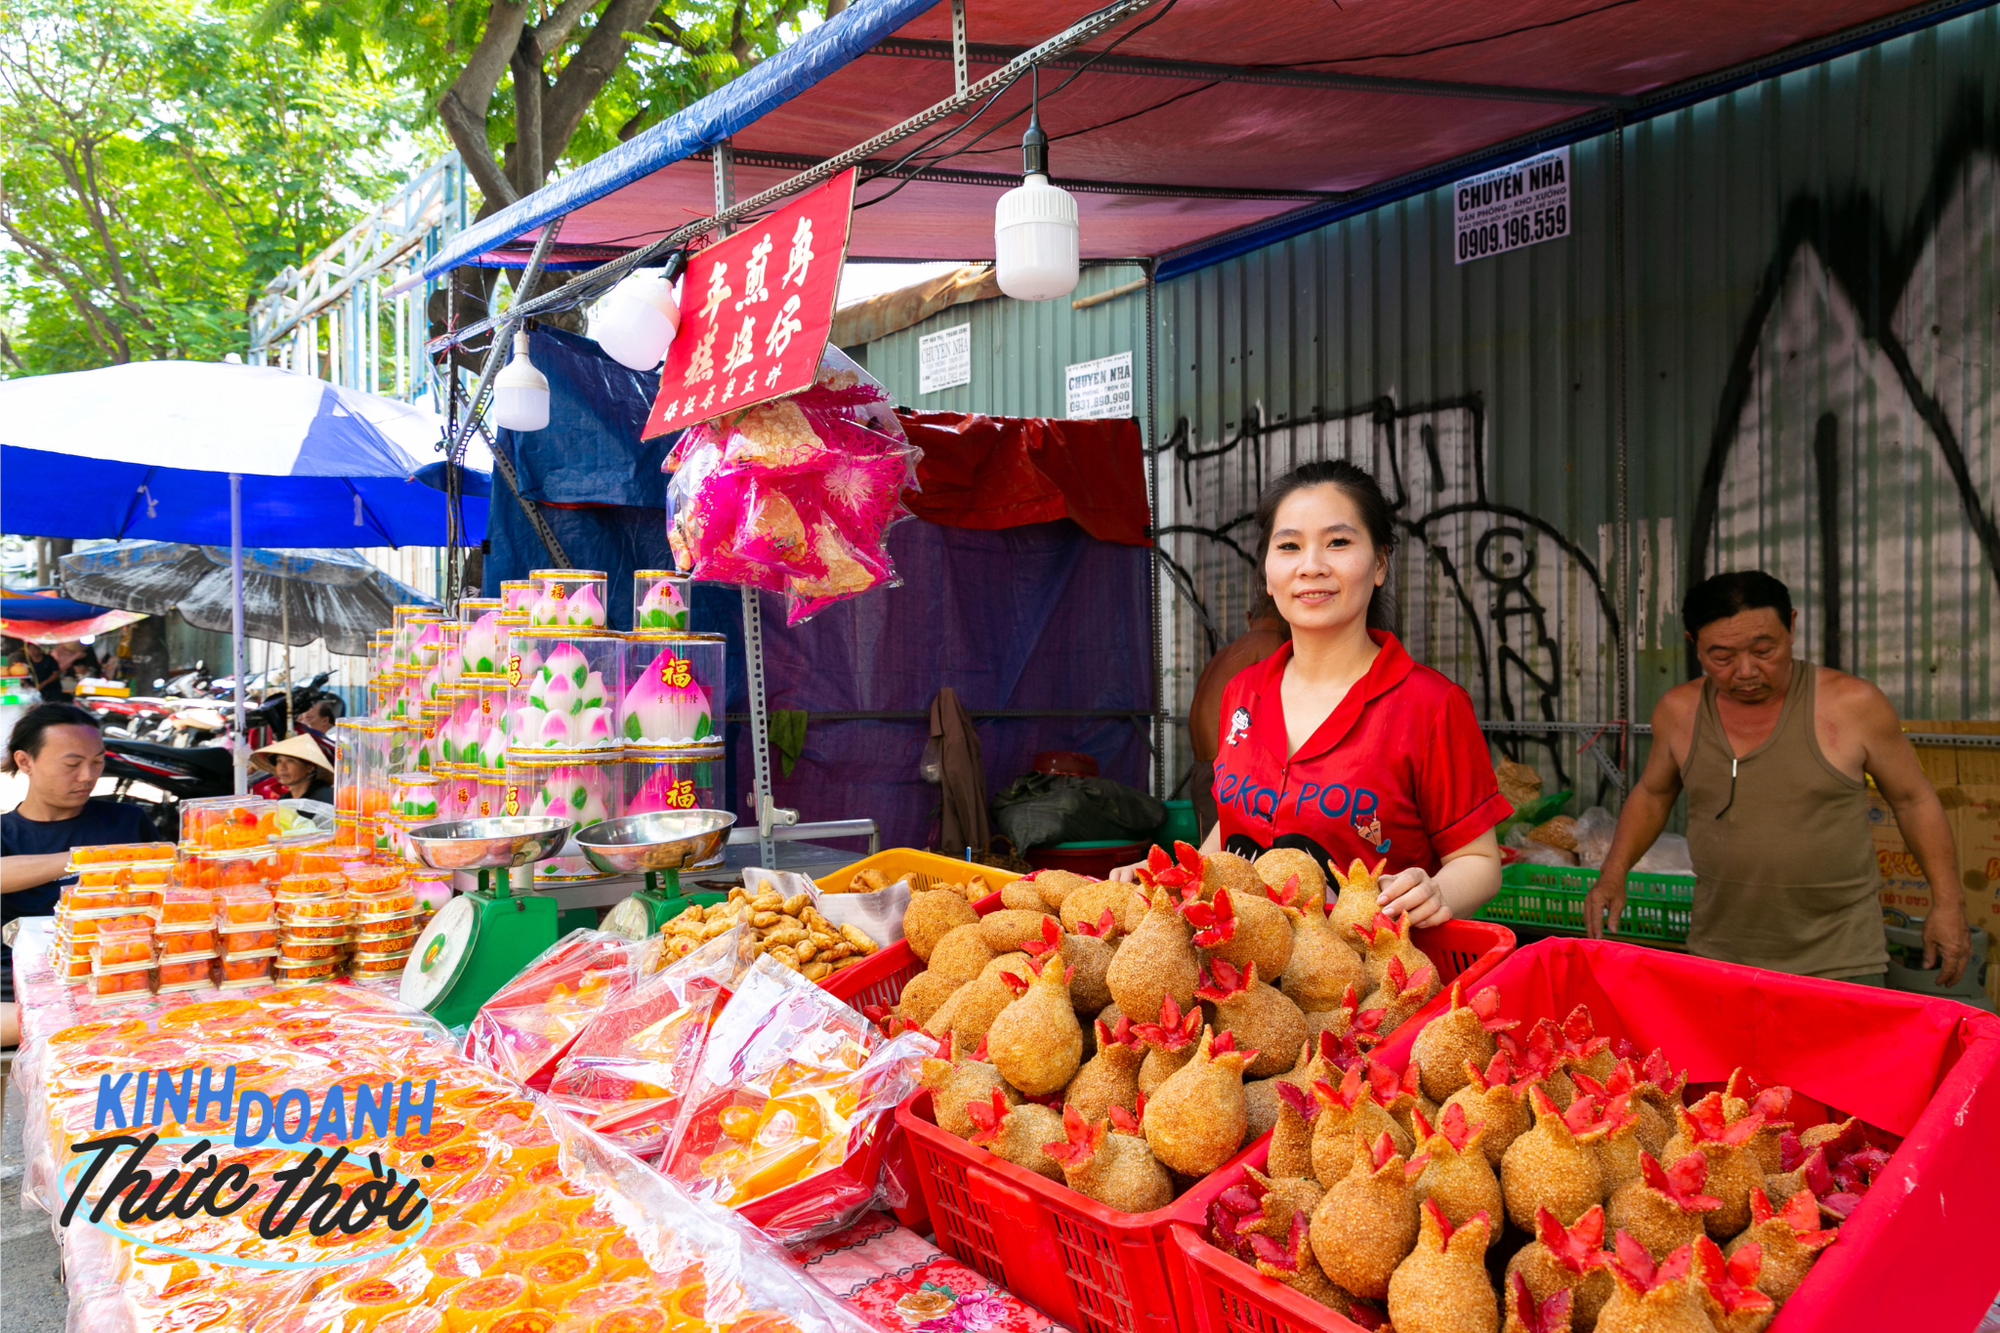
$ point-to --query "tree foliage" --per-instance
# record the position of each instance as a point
(156, 168)
(524, 85)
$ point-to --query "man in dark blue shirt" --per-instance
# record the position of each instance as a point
(60, 751)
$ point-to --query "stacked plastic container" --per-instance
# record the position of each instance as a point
(184, 934)
(568, 599)
(557, 733)
(113, 886)
(312, 928)
(246, 937)
(366, 751)
(541, 709)
(477, 750)
(385, 920)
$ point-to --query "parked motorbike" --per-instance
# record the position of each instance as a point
(182, 771)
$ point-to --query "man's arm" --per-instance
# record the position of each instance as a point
(29, 872)
(1647, 808)
(1892, 761)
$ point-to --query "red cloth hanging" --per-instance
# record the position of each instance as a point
(990, 473)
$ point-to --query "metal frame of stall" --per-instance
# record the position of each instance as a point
(466, 413)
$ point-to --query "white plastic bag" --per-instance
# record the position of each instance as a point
(1667, 856)
(1593, 835)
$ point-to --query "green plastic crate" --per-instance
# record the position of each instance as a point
(1657, 907)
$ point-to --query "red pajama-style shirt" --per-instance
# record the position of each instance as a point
(1398, 770)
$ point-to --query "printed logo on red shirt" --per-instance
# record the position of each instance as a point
(1371, 833)
(1239, 725)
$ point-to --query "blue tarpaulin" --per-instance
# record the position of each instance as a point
(1041, 618)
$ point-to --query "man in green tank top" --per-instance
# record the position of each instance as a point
(1775, 755)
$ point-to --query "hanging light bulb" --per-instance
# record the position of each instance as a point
(1035, 242)
(520, 392)
(638, 320)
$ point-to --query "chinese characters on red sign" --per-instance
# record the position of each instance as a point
(756, 310)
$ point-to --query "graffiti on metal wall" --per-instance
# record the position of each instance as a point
(1853, 453)
(1501, 601)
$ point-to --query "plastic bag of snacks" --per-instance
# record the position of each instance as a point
(785, 1117)
(624, 1073)
(532, 1223)
(796, 495)
(530, 1022)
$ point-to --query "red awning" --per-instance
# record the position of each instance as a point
(990, 473)
(1173, 140)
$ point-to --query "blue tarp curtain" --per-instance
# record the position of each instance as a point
(1040, 617)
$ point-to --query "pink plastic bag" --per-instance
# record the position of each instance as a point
(787, 1115)
(625, 1073)
(525, 1028)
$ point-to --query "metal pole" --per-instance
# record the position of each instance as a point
(238, 744)
(1161, 787)
(724, 162)
(1627, 544)
(285, 632)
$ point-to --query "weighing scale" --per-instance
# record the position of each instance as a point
(479, 940)
(659, 845)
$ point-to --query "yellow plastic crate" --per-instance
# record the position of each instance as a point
(925, 870)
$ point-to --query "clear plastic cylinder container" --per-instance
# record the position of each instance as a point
(431, 719)
(423, 638)
(419, 795)
(517, 595)
(662, 779)
(563, 690)
(673, 690)
(585, 789)
(568, 599)
(661, 600)
(457, 701)
(456, 789)
(450, 665)
(492, 794)
(492, 722)
(482, 644)
(363, 750)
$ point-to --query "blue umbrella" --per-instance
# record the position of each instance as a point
(216, 453)
(47, 608)
(146, 451)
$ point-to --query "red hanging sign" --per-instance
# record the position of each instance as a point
(756, 310)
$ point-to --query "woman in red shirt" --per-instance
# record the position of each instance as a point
(1338, 743)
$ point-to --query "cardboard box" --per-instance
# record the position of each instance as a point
(1905, 894)
(1977, 831)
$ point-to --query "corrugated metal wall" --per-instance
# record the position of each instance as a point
(1814, 302)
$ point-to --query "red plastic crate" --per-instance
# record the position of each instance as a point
(880, 980)
(1082, 1264)
(1915, 1254)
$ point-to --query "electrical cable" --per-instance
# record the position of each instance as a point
(1074, 75)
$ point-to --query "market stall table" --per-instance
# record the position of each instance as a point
(525, 1218)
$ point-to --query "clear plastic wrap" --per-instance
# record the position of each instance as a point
(535, 1224)
(797, 495)
(787, 1112)
(529, 1023)
(625, 1072)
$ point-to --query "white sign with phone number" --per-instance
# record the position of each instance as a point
(1525, 203)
